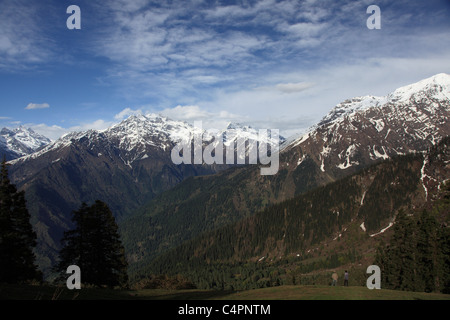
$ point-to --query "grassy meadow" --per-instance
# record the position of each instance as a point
(35, 292)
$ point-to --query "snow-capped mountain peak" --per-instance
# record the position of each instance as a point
(130, 137)
(235, 131)
(139, 135)
(350, 106)
(360, 130)
(239, 126)
(139, 128)
(21, 141)
(436, 87)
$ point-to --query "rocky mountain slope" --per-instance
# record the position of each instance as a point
(340, 224)
(130, 164)
(361, 130)
(355, 134)
(19, 142)
(124, 166)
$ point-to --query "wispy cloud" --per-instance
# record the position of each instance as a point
(167, 42)
(211, 120)
(288, 87)
(22, 40)
(125, 113)
(188, 113)
(32, 106)
(54, 131)
(282, 61)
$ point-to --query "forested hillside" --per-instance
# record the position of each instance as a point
(330, 226)
(202, 204)
(418, 256)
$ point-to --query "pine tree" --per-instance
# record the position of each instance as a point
(94, 246)
(418, 257)
(444, 272)
(397, 260)
(17, 237)
(443, 278)
(428, 252)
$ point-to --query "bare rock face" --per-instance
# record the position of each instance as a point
(130, 163)
(360, 131)
(19, 142)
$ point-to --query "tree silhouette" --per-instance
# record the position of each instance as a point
(17, 237)
(94, 245)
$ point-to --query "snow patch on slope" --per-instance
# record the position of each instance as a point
(348, 153)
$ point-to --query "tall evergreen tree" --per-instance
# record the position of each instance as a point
(428, 252)
(397, 260)
(443, 209)
(418, 256)
(94, 246)
(444, 272)
(17, 237)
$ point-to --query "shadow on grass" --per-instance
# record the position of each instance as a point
(185, 295)
(48, 292)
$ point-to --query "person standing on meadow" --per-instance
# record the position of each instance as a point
(334, 276)
(346, 278)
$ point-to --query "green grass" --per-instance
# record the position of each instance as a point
(47, 292)
(28, 292)
(332, 293)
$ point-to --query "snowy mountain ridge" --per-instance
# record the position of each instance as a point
(21, 141)
(363, 129)
(436, 88)
(134, 135)
(130, 162)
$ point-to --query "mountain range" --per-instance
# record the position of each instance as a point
(19, 142)
(364, 129)
(160, 205)
(354, 135)
(304, 239)
(125, 165)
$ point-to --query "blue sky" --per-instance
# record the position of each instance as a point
(271, 63)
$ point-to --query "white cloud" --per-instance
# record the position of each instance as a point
(127, 5)
(318, 91)
(171, 54)
(293, 101)
(125, 113)
(54, 132)
(281, 63)
(99, 124)
(293, 87)
(186, 113)
(32, 106)
(305, 29)
(290, 87)
(22, 42)
(210, 119)
(158, 45)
